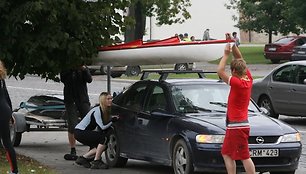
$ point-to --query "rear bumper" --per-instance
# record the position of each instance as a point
(296, 57)
(278, 55)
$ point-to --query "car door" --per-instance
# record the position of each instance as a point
(128, 108)
(154, 128)
(280, 89)
(297, 98)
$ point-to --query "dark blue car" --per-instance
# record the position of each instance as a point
(181, 123)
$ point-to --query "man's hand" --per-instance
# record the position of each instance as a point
(227, 49)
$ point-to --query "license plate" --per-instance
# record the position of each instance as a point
(272, 49)
(301, 52)
(264, 153)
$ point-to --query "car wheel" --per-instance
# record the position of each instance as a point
(266, 103)
(181, 67)
(15, 136)
(275, 60)
(112, 154)
(103, 70)
(288, 172)
(132, 71)
(114, 75)
(182, 163)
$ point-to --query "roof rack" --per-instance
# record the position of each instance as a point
(164, 73)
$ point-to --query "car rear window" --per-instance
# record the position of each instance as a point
(284, 40)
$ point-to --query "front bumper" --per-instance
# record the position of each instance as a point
(208, 158)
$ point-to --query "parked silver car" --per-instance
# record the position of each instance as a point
(283, 90)
(299, 53)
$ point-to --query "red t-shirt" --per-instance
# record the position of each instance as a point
(239, 98)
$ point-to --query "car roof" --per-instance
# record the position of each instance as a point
(300, 62)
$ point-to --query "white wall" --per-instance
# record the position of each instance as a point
(210, 14)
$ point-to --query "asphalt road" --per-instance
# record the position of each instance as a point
(49, 147)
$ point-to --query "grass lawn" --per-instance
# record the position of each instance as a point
(26, 165)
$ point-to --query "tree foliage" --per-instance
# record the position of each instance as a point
(296, 11)
(264, 16)
(44, 37)
(166, 12)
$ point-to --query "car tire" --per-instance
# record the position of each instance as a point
(288, 172)
(181, 67)
(112, 153)
(182, 162)
(15, 136)
(274, 61)
(132, 71)
(103, 70)
(114, 75)
(266, 103)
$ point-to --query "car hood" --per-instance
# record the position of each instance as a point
(260, 125)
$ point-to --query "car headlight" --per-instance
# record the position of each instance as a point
(209, 138)
(291, 138)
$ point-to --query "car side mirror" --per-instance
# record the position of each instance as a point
(264, 111)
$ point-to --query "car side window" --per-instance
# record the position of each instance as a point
(135, 98)
(284, 74)
(301, 75)
(157, 100)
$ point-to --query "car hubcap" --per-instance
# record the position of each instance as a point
(180, 160)
(266, 104)
(111, 150)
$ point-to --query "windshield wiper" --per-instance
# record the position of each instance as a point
(225, 105)
(202, 109)
(219, 104)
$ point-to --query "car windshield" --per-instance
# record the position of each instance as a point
(284, 40)
(202, 98)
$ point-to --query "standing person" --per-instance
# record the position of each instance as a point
(76, 101)
(235, 145)
(206, 35)
(186, 38)
(5, 118)
(93, 131)
(192, 38)
(235, 37)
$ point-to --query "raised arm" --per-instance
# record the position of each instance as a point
(236, 52)
(221, 67)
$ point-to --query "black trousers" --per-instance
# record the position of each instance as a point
(91, 138)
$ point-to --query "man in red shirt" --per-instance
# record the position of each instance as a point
(235, 145)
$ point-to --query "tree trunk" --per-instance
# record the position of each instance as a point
(135, 32)
(270, 36)
(140, 21)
